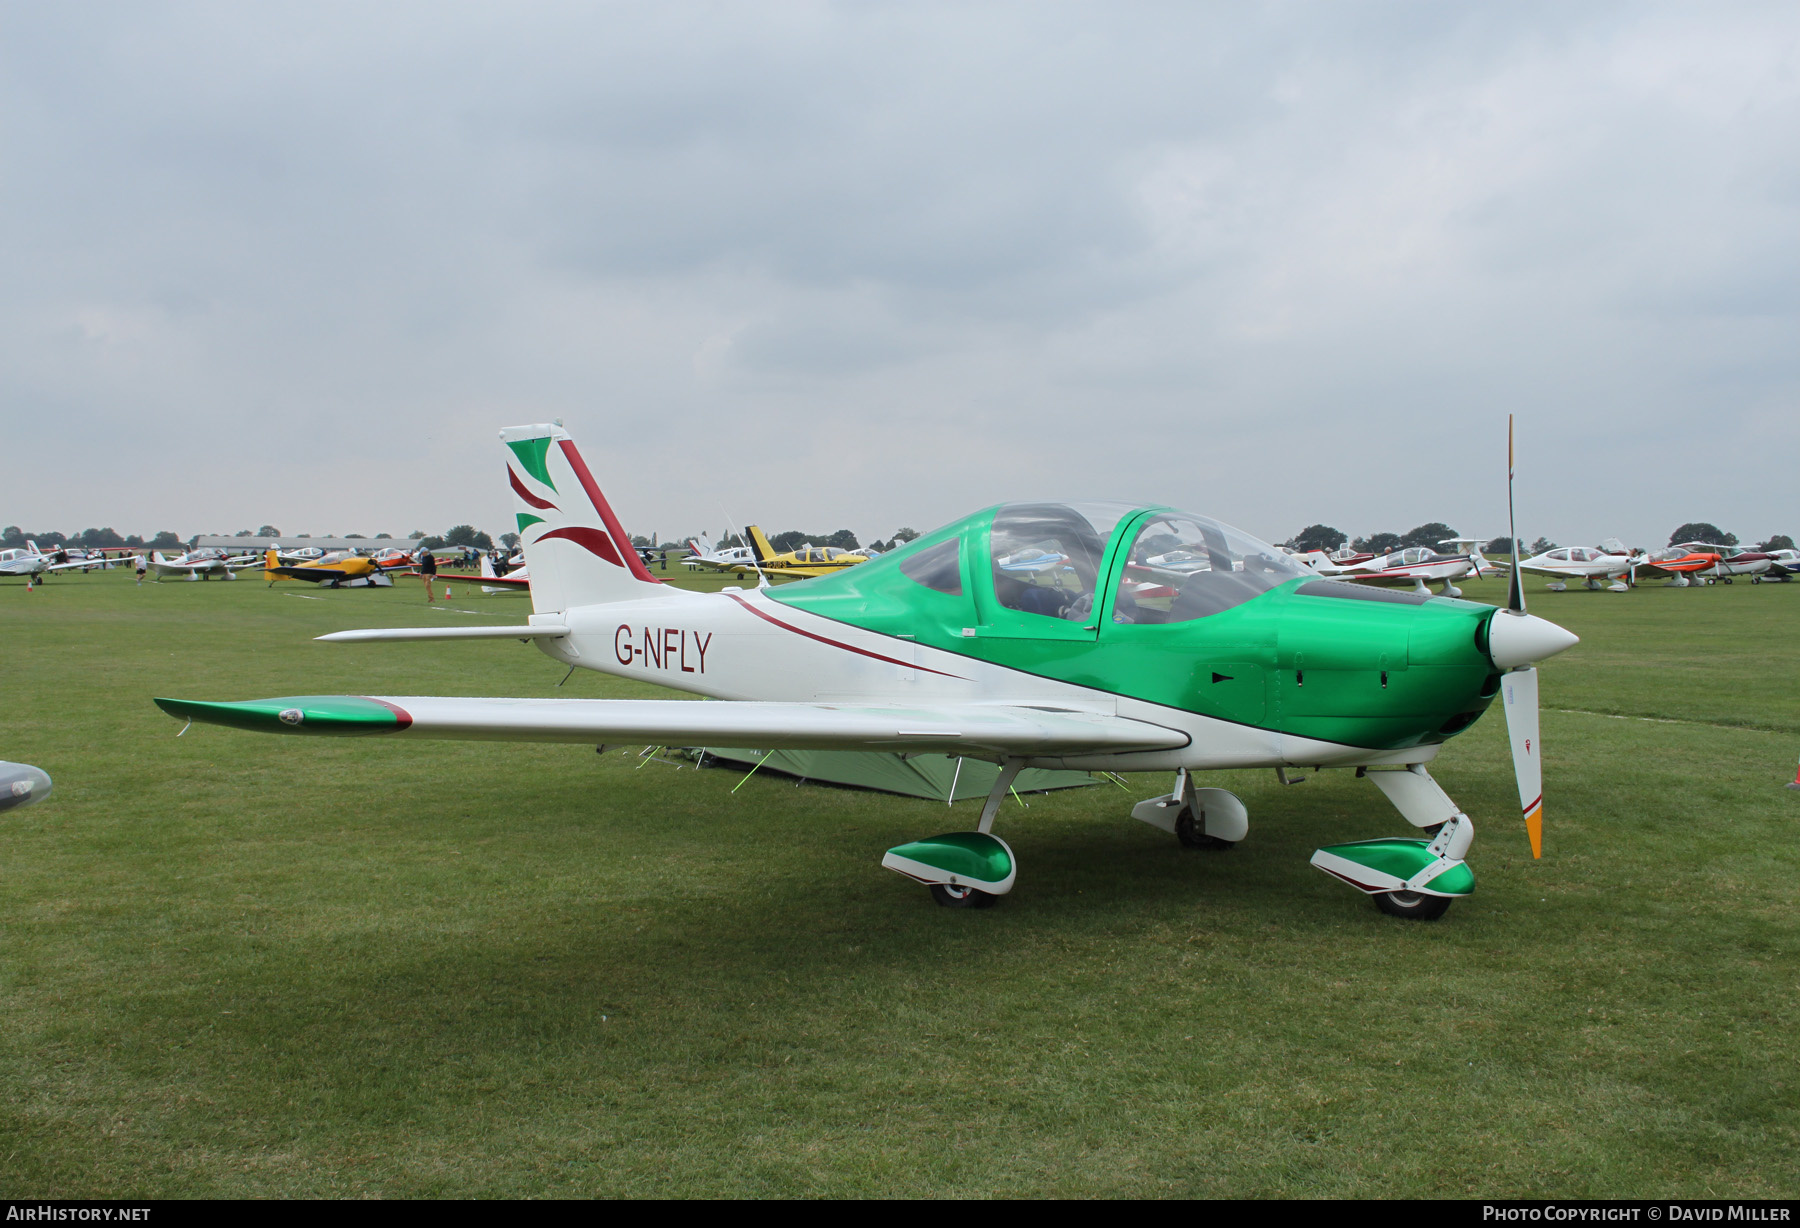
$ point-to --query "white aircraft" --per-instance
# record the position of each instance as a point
(1248, 662)
(1736, 561)
(517, 580)
(25, 561)
(1609, 560)
(203, 564)
(1413, 566)
(32, 563)
(728, 558)
(1783, 564)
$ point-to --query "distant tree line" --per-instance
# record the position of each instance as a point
(1324, 537)
(791, 539)
(13, 537)
(466, 535)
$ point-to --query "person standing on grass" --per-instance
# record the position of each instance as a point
(142, 566)
(428, 569)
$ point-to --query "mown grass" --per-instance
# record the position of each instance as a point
(243, 965)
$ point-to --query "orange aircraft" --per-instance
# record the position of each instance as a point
(1682, 564)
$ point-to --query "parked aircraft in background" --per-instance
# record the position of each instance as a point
(1734, 562)
(1415, 565)
(1328, 564)
(1610, 559)
(1783, 564)
(29, 561)
(1247, 661)
(1683, 566)
(518, 580)
(342, 569)
(727, 558)
(202, 564)
(651, 556)
(800, 563)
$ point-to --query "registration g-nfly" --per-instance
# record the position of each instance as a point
(1140, 638)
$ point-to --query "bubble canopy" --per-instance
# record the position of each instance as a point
(1056, 569)
(1049, 559)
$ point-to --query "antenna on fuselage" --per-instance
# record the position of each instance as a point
(762, 581)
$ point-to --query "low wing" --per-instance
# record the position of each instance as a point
(798, 573)
(542, 631)
(970, 729)
(466, 577)
(316, 575)
(1382, 578)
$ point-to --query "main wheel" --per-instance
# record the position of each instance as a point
(948, 896)
(1413, 905)
(1190, 829)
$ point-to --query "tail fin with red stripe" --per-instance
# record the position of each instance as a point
(577, 550)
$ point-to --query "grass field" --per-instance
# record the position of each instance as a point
(243, 965)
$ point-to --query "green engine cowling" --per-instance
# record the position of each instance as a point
(957, 859)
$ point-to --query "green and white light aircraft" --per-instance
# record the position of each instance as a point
(1160, 640)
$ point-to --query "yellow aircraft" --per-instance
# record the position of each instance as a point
(342, 569)
(795, 564)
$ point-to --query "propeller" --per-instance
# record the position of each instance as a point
(1516, 642)
(1515, 587)
(1519, 690)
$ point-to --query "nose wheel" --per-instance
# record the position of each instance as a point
(1413, 905)
(950, 896)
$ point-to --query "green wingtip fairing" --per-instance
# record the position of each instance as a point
(319, 715)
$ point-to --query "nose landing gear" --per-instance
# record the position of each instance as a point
(1415, 879)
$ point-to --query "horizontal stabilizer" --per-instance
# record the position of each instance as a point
(366, 635)
(952, 729)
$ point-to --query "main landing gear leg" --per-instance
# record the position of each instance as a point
(1417, 879)
(1199, 818)
(964, 869)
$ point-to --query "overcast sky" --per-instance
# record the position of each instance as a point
(869, 265)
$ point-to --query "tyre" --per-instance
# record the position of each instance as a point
(1413, 905)
(1190, 829)
(961, 897)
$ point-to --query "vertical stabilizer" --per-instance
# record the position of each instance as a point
(765, 553)
(576, 549)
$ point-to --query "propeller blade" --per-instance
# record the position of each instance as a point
(1519, 689)
(1515, 587)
